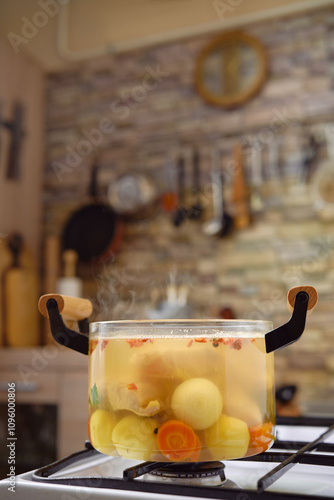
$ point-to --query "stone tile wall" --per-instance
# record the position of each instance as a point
(288, 243)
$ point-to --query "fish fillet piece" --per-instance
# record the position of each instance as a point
(177, 364)
(142, 401)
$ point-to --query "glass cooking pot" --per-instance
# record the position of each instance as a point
(179, 390)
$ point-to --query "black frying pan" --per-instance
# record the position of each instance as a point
(95, 230)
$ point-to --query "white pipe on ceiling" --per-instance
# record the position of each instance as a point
(172, 36)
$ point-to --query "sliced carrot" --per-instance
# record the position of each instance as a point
(138, 342)
(201, 339)
(132, 387)
(255, 432)
(176, 440)
(260, 437)
(228, 341)
(104, 344)
(197, 451)
(92, 346)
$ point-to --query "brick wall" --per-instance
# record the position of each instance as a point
(288, 243)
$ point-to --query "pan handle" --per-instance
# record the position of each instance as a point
(72, 308)
(53, 305)
(300, 300)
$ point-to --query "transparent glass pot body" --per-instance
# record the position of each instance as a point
(181, 391)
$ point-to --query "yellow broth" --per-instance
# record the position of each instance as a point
(181, 399)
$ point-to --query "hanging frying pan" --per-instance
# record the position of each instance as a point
(94, 231)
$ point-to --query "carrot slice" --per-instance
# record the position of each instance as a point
(176, 440)
(260, 437)
(197, 451)
(92, 346)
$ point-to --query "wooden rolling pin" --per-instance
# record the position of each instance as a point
(20, 296)
(71, 308)
(312, 294)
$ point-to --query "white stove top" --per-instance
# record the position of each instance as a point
(305, 481)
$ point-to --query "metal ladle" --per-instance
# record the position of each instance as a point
(222, 222)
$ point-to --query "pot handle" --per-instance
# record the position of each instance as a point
(53, 306)
(300, 300)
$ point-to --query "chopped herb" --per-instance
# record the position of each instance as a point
(94, 399)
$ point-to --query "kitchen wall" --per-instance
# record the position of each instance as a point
(105, 107)
(56, 32)
(21, 82)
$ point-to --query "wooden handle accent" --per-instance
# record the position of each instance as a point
(312, 293)
(72, 308)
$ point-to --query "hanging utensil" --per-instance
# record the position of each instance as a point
(256, 200)
(169, 196)
(15, 127)
(222, 223)
(240, 197)
(94, 231)
(133, 195)
(274, 184)
(196, 210)
(182, 212)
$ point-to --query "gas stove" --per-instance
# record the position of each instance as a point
(300, 465)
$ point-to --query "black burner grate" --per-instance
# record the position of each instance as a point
(286, 459)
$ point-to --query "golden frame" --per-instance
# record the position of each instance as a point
(240, 97)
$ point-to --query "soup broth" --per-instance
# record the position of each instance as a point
(181, 399)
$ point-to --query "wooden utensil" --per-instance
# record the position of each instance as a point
(240, 196)
(20, 296)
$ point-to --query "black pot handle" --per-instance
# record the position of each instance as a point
(53, 305)
(302, 299)
(65, 336)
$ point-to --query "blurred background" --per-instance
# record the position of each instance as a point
(203, 131)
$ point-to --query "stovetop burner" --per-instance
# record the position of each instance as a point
(303, 445)
(200, 473)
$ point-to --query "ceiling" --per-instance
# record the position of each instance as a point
(91, 25)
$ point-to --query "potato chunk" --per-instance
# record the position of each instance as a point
(197, 402)
(227, 438)
(134, 437)
(101, 425)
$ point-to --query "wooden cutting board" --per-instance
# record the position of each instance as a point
(19, 294)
